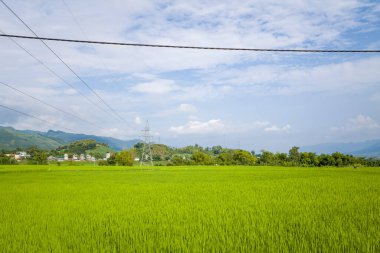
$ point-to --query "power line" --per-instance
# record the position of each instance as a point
(31, 116)
(53, 72)
(87, 38)
(81, 28)
(51, 106)
(191, 47)
(75, 20)
(51, 50)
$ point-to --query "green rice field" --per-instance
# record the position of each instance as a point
(189, 209)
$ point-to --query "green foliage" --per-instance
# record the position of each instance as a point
(309, 159)
(294, 155)
(37, 156)
(178, 160)
(7, 160)
(126, 157)
(103, 163)
(224, 158)
(236, 157)
(242, 157)
(208, 209)
(78, 147)
(200, 158)
(267, 158)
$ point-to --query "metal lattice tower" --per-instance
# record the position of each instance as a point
(147, 149)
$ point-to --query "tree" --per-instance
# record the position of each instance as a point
(112, 160)
(216, 150)
(294, 155)
(37, 156)
(178, 160)
(281, 159)
(224, 158)
(266, 157)
(7, 159)
(126, 157)
(201, 158)
(242, 157)
(326, 160)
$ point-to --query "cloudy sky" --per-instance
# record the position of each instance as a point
(236, 99)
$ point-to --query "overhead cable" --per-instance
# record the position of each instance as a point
(54, 73)
(34, 117)
(190, 47)
(68, 67)
(52, 106)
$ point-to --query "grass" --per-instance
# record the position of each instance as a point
(189, 209)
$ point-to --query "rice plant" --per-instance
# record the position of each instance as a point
(189, 209)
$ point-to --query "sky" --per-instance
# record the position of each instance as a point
(237, 99)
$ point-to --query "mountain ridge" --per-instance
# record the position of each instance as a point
(368, 148)
(11, 138)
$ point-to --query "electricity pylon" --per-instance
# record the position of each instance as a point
(147, 149)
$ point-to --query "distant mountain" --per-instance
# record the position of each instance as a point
(113, 143)
(370, 148)
(11, 139)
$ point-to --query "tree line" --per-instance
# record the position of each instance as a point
(216, 155)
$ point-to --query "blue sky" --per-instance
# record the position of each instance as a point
(249, 100)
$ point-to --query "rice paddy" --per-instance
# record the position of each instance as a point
(189, 209)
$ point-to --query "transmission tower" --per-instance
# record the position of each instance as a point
(147, 149)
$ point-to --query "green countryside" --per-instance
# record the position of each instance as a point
(49, 208)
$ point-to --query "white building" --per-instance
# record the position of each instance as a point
(20, 155)
(66, 157)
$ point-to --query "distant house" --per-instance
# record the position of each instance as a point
(88, 157)
(75, 157)
(21, 155)
(66, 157)
(108, 155)
(51, 158)
(82, 157)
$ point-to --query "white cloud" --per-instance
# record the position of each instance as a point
(260, 124)
(199, 127)
(359, 123)
(276, 129)
(362, 122)
(218, 126)
(187, 108)
(284, 79)
(138, 120)
(158, 87)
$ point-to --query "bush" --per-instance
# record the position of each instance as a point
(126, 157)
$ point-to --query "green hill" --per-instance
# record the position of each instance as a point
(11, 139)
(85, 147)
